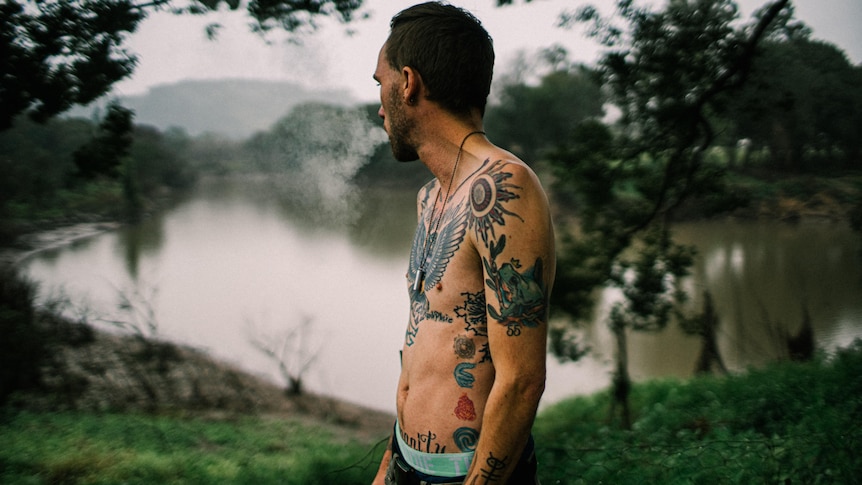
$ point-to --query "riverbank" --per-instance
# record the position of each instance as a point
(58, 236)
(95, 371)
(786, 423)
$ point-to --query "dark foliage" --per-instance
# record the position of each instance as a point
(103, 154)
(55, 54)
(23, 347)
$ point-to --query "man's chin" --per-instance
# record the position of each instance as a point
(405, 156)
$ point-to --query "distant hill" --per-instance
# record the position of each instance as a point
(235, 108)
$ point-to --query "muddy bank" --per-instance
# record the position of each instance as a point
(57, 237)
(96, 371)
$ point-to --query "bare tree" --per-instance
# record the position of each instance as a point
(290, 349)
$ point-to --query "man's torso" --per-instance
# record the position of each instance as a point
(447, 367)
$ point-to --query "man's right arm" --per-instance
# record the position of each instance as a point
(384, 465)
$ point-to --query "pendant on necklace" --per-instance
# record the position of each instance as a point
(420, 277)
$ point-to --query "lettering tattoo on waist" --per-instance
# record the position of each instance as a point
(426, 442)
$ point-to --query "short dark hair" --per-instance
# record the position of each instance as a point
(451, 51)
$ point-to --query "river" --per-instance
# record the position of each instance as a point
(232, 266)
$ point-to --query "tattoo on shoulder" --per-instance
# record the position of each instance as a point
(489, 192)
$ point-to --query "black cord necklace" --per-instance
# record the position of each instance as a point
(420, 273)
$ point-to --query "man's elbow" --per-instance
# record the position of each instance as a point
(527, 387)
(534, 388)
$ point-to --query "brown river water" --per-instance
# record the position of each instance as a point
(230, 266)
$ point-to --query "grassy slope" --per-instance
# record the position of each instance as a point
(75, 447)
(788, 423)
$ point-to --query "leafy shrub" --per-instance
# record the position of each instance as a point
(22, 346)
(788, 423)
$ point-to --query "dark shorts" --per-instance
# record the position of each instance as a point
(401, 473)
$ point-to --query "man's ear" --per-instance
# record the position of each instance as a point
(412, 85)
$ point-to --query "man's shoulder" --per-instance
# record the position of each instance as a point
(512, 171)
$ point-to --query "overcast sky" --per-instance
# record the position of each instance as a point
(173, 48)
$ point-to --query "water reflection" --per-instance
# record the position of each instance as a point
(235, 263)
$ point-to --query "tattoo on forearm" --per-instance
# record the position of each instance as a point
(493, 469)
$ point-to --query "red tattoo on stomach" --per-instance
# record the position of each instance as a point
(465, 410)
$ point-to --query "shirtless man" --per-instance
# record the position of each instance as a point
(481, 266)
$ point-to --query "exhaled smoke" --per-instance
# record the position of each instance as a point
(321, 148)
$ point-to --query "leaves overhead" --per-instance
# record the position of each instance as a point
(55, 54)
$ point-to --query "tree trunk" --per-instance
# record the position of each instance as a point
(621, 380)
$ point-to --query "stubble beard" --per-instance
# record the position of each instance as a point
(400, 128)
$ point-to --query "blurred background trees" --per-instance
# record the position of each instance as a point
(55, 54)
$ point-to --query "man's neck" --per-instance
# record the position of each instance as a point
(457, 144)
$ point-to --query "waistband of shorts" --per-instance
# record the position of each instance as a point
(435, 464)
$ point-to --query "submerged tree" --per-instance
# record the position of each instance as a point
(663, 70)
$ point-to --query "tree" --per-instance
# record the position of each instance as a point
(663, 70)
(55, 54)
(104, 153)
(531, 119)
(803, 103)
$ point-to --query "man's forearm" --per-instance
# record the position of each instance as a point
(379, 479)
(506, 427)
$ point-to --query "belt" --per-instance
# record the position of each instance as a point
(400, 473)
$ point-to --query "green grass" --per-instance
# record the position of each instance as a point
(78, 448)
(787, 423)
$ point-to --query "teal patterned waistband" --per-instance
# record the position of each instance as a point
(435, 464)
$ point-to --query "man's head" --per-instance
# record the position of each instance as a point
(449, 49)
